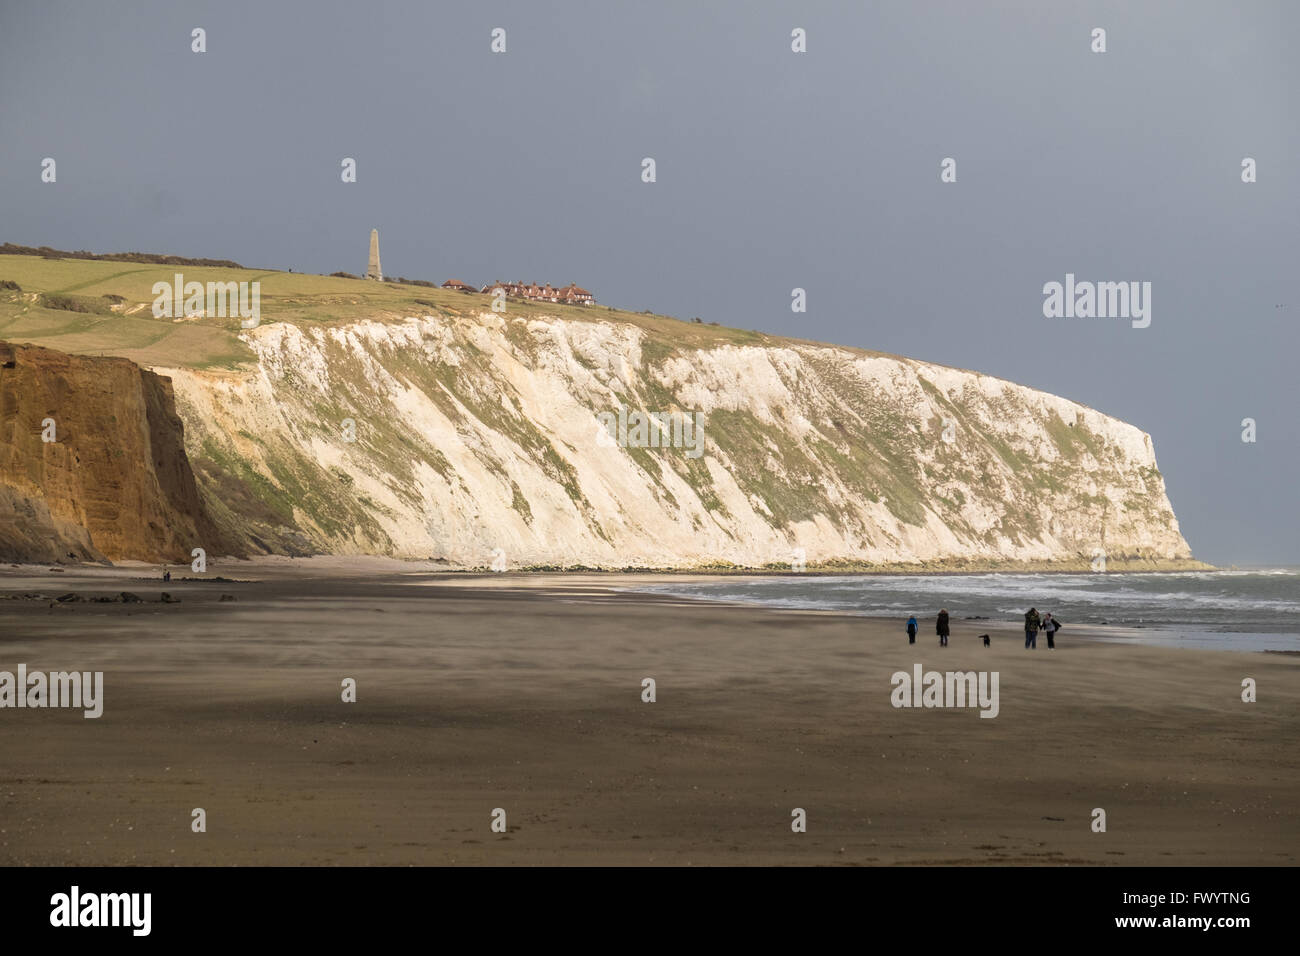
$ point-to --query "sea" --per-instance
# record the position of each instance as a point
(1245, 610)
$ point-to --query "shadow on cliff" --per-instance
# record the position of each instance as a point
(93, 464)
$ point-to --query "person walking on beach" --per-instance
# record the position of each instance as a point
(911, 630)
(941, 627)
(1050, 626)
(1031, 628)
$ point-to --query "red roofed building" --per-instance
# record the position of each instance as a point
(575, 295)
(571, 294)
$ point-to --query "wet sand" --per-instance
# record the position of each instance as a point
(524, 693)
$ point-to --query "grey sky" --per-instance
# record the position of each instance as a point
(775, 170)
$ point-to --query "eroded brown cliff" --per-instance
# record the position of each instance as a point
(115, 483)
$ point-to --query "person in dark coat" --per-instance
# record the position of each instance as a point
(941, 628)
(911, 630)
(1031, 629)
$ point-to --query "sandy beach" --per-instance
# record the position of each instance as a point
(523, 692)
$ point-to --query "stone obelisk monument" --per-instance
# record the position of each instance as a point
(373, 271)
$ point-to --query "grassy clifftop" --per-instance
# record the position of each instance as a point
(118, 320)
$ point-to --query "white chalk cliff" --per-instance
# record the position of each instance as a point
(478, 433)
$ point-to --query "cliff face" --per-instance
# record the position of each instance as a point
(115, 484)
(474, 433)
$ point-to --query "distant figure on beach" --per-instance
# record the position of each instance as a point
(911, 630)
(167, 574)
(1050, 626)
(1031, 628)
(941, 627)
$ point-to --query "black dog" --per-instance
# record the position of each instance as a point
(985, 639)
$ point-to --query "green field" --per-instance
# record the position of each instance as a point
(128, 328)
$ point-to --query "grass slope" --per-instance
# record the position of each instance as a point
(128, 328)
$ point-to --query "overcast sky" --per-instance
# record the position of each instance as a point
(775, 170)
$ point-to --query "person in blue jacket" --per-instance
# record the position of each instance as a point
(911, 630)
